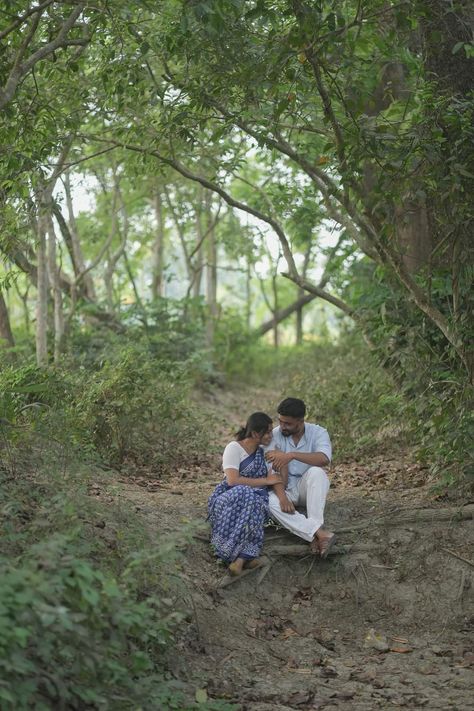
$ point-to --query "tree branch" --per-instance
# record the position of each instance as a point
(21, 69)
(185, 172)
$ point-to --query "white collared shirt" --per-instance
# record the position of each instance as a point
(314, 439)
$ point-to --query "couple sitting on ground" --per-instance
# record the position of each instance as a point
(267, 472)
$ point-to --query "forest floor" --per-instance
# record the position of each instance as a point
(386, 625)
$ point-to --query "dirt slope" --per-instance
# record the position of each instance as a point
(386, 625)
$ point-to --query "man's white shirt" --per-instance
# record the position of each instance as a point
(314, 439)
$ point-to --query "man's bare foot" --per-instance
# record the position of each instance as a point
(253, 563)
(235, 568)
(322, 542)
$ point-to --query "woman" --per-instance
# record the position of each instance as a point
(238, 508)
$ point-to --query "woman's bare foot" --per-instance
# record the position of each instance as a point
(253, 563)
(235, 568)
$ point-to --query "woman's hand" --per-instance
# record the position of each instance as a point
(274, 478)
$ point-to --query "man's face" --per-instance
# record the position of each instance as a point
(290, 425)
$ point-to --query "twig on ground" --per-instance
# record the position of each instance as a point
(361, 566)
(264, 571)
(310, 567)
(301, 550)
(459, 557)
(229, 580)
(357, 589)
(461, 586)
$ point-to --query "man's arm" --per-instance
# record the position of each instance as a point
(286, 505)
(280, 459)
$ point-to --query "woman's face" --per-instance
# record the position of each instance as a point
(266, 437)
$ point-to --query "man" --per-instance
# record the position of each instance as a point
(302, 450)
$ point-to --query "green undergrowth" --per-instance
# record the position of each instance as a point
(89, 601)
(370, 405)
(132, 407)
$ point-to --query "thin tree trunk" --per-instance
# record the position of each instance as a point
(211, 273)
(42, 295)
(76, 242)
(182, 240)
(300, 294)
(113, 257)
(56, 289)
(198, 263)
(157, 284)
(6, 335)
(276, 339)
(24, 300)
(248, 293)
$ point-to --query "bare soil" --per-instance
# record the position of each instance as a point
(381, 628)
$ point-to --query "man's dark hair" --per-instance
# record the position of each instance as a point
(292, 407)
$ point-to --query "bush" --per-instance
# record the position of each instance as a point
(347, 391)
(133, 408)
(72, 635)
(138, 409)
(83, 624)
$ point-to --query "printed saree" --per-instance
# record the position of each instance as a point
(238, 513)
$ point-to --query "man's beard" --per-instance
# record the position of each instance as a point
(285, 433)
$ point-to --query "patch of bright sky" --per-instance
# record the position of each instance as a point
(326, 235)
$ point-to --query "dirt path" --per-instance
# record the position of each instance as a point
(382, 628)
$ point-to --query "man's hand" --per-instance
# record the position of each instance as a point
(286, 505)
(278, 459)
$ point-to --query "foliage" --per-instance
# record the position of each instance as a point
(374, 398)
(87, 601)
(133, 407)
(72, 634)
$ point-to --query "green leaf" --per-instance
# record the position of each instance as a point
(33, 388)
(201, 696)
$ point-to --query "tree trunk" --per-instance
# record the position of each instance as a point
(211, 273)
(276, 340)
(79, 260)
(6, 335)
(113, 257)
(300, 294)
(198, 260)
(157, 283)
(42, 295)
(282, 314)
(56, 289)
(248, 294)
(299, 319)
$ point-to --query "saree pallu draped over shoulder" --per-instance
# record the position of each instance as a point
(238, 513)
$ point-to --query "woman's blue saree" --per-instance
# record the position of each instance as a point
(239, 513)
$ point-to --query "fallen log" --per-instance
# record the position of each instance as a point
(415, 516)
(300, 550)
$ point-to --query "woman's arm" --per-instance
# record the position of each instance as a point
(234, 479)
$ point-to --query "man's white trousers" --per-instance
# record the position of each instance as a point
(310, 491)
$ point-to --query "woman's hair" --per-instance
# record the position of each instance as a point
(292, 407)
(257, 422)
